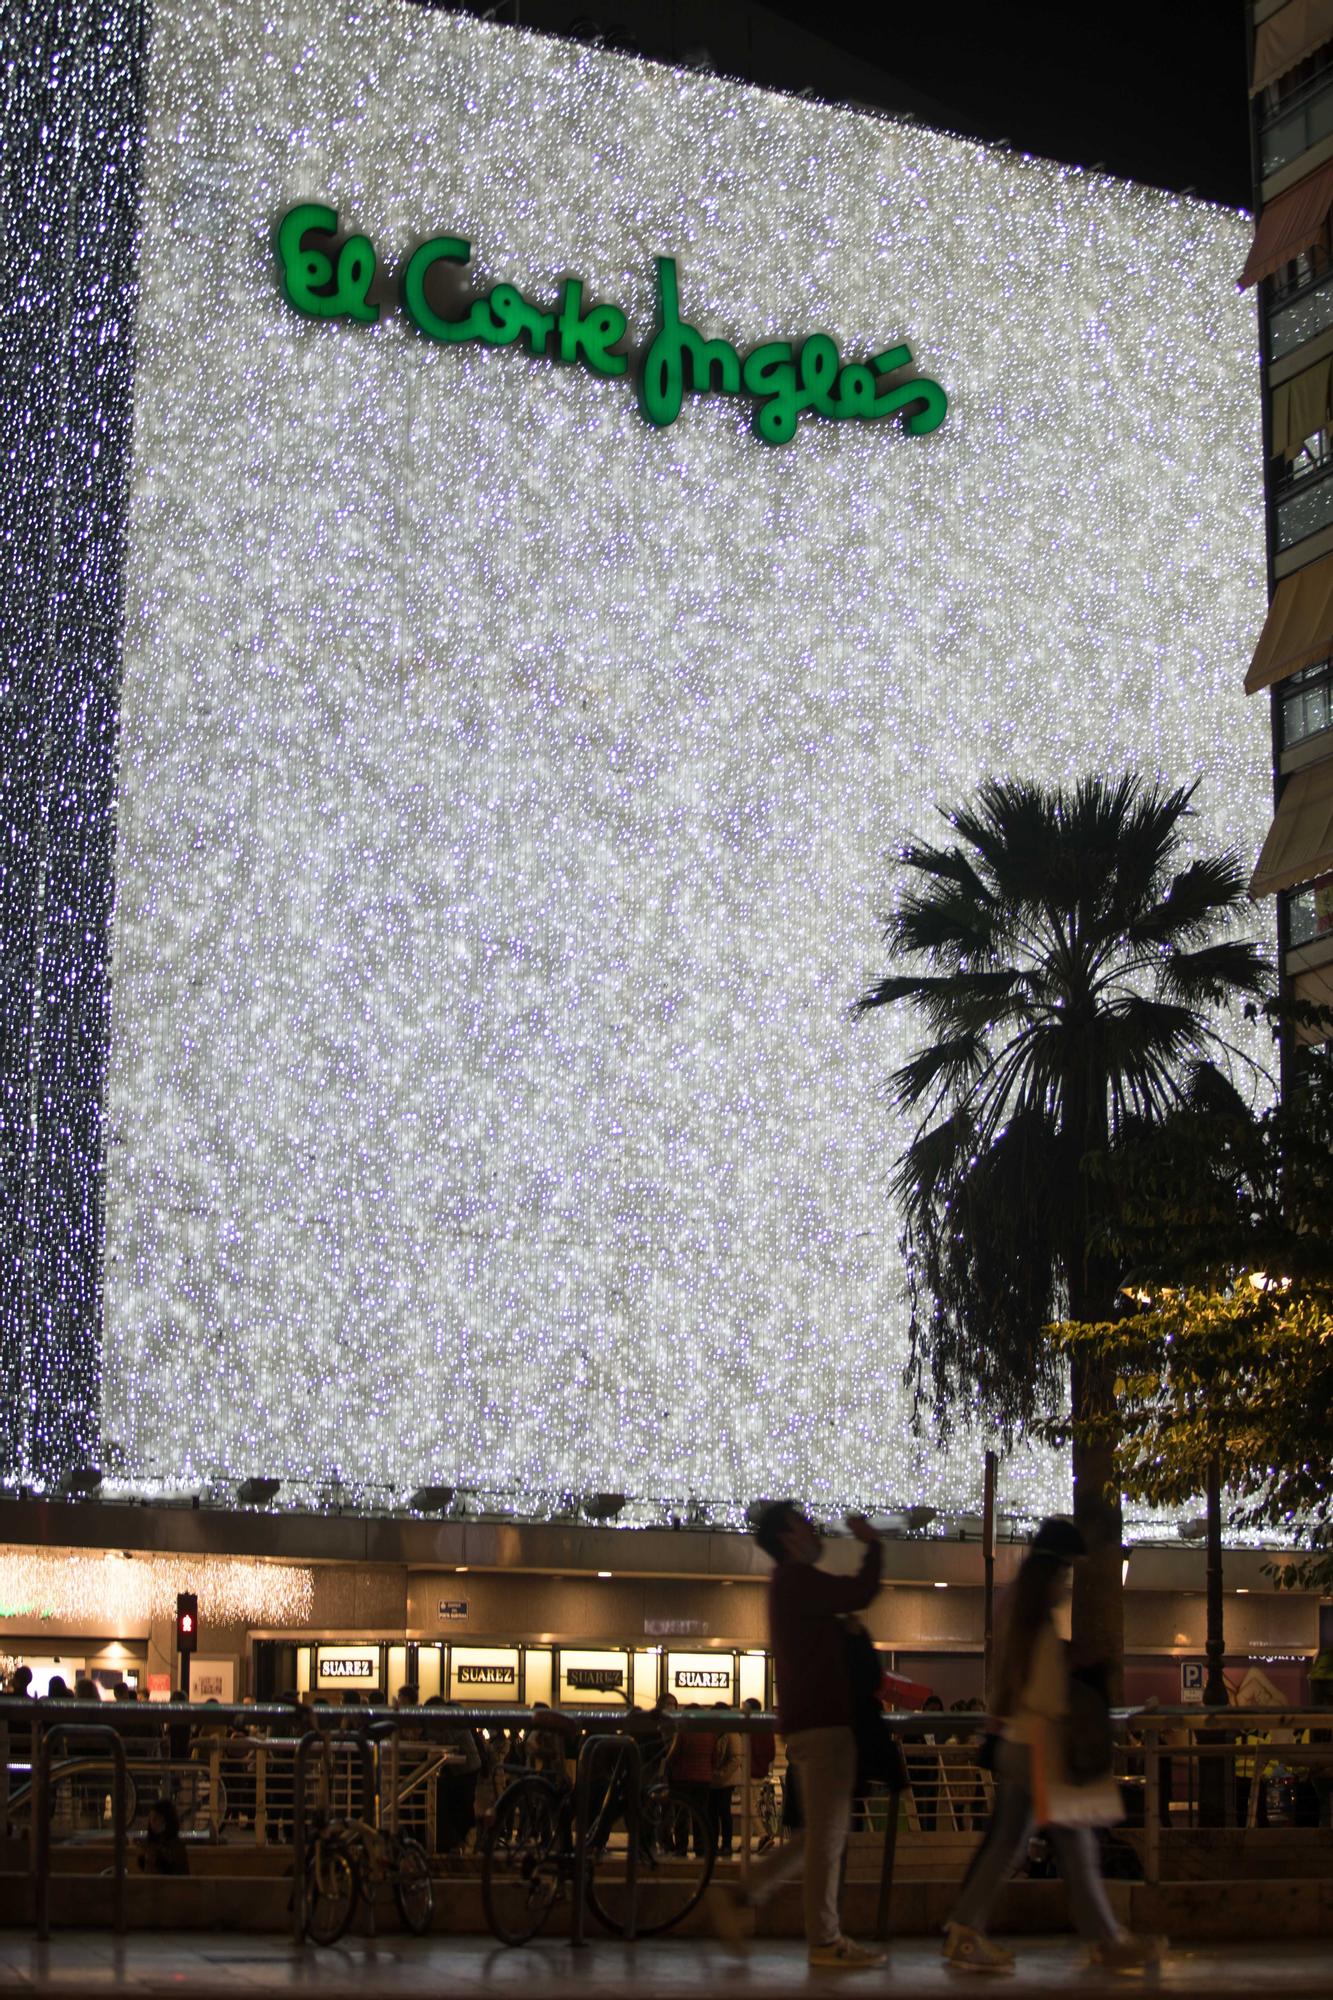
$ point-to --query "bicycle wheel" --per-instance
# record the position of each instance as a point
(330, 1893)
(412, 1889)
(675, 1865)
(521, 1860)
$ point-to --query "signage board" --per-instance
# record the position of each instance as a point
(347, 1667)
(702, 1678)
(593, 1676)
(452, 1608)
(212, 1680)
(327, 274)
(1192, 1674)
(483, 1673)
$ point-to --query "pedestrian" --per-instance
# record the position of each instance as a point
(815, 1713)
(726, 1777)
(763, 1750)
(1032, 1780)
(691, 1779)
(161, 1849)
(456, 1779)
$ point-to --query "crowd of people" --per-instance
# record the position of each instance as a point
(1050, 1756)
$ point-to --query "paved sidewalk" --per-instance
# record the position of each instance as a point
(82, 1965)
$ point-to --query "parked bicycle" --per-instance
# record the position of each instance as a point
(529, 1857)
(350, 1860)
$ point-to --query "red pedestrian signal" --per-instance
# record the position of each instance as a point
(187, 1621)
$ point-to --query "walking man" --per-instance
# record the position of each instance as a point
(809, 1649)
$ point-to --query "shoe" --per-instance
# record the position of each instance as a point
(973, 1951)
(849, 1956)
(730, 1912)
(1127, 1953)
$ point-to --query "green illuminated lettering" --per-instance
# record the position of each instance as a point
(588, 337)
(784, 379)
(662, 383)
(438, 250)
(512, 318)
(935, 404)
(307, 273)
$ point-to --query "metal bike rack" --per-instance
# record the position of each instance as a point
(86, 1735)
(364, 1740)
(589, 1750)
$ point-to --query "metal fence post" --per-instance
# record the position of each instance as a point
(747, 1809)
(1152, 1796)
(39, 1830)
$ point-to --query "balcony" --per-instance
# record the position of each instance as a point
(1299, 122)
(1297, 315)
(1303, 503)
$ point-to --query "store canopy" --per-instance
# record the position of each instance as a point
(1298, 629)
(1300, 840)
(1290, 224)
(1288, 37)
(1301, 407)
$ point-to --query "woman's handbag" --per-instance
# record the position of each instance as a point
(1088, 1738)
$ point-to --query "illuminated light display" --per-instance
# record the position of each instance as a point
(39, 1586)
(506, 787)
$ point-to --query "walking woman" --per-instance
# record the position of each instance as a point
(1032, 1784)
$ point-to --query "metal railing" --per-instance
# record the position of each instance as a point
(1184, 1772)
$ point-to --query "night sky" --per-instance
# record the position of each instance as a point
(1157, 92)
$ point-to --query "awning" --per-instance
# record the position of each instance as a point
(1298, 629)
(1290, 224)
(1300, 840)
(1288, 37)
(1302, 406)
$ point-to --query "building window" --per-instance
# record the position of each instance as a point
(1297, 113)
(1306, 704)
(1310, 912)
(1300, 301)
(1303, 497)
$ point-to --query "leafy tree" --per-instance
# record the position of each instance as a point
(1224, 1372)
(1066, 964)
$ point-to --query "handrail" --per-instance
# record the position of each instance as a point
(40, 1832)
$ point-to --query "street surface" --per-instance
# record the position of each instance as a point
(81, 1965)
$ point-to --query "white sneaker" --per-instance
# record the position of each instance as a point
(851, 1957)
(973, 1951)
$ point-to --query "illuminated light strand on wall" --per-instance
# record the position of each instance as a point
(46, 1584)
(71, 114)
(504, 786)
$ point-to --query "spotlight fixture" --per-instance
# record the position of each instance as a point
(603, 1506)
(430, 1499)
(80, 1483)
(257, 1492)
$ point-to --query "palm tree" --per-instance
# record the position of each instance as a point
(1066, 963)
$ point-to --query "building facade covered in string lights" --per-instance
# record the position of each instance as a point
(509, 540)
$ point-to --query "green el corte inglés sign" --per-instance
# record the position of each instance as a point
(325, 278)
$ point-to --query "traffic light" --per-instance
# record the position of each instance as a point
(187, 1621)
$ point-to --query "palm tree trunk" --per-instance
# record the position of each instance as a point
(1098, 1611)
